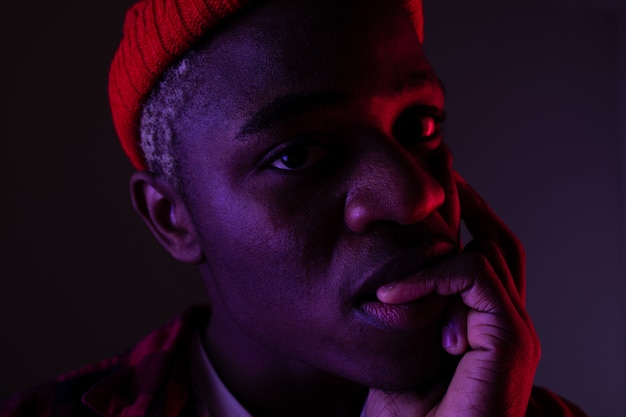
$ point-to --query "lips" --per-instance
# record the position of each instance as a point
(424, 309)
(420, 313)
(403, 266)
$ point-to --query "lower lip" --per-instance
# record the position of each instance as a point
(412, 316)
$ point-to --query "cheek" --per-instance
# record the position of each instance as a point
(440, 166)
(272, 277)
(266, 238)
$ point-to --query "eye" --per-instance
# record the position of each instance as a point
(419, 125)
(300, 157)
(427, 126)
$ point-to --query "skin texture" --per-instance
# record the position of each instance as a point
(300, 215)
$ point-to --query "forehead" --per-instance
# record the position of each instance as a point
(364, 48)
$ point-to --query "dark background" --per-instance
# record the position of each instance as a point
(536, 121)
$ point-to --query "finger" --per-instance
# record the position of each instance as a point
(483, 223)
(454, 331)
(394, 404)
(380, 403)
(469, 275)
(491, 251)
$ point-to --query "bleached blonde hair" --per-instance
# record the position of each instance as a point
(162, 107)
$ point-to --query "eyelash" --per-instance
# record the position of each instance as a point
(322, 152)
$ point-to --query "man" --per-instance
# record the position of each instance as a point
(292, 150)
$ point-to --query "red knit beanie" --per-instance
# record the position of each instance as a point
(156, 34)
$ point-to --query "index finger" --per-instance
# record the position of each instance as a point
(483, 223)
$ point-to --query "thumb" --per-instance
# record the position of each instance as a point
(454, 331)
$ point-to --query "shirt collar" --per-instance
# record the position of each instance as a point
(211, 396)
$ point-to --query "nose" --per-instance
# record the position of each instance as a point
(390, 187)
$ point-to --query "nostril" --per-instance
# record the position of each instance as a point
(402, 202)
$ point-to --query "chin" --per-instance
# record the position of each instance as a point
(413, 382)
(421, 373)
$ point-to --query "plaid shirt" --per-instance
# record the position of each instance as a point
(152, 380)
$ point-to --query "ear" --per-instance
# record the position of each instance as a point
(160, 205)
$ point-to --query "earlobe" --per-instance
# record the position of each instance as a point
(160, 205)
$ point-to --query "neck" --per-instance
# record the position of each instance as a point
(268, 384)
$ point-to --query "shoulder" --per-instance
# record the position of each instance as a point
(61, 396)
(153, 373)
(545, 403)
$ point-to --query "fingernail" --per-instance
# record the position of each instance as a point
(383, 292)
(448, 338)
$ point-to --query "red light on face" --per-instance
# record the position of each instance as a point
(429, 127)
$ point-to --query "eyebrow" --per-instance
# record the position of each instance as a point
(419, 79)
(287, 107)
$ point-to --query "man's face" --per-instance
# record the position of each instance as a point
(314, 172)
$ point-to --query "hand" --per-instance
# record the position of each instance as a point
(489, 328)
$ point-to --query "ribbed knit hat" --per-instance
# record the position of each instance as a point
(156, 34)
